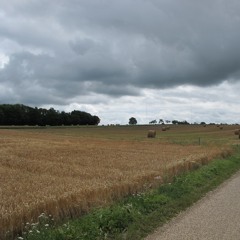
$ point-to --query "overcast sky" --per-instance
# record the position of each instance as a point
(150, 59)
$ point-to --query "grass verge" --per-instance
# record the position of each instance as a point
(137, 216)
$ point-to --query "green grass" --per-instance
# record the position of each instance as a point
(137, 216)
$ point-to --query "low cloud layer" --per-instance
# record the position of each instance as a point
(61, 52)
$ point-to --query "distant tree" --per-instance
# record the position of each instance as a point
(179, 122)
(43, 117)
(52, 117)
(18, 114)
(2, 117)
(14, 114)
(34, 116)
(175, 122)
(132, 121)
(65, 118)
(80, 118)
(161, 121)
(153, 121)
(184, 122)
(203, 123)
(95, 120)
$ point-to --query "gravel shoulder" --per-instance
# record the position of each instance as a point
(215, 217)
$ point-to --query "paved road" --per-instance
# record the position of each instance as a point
(215, 217)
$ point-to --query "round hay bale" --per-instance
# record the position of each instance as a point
(220, 127)
(164, 128)
(237, 132)
(151, 134)
(167, 128)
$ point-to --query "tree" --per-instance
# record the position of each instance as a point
(161, 121)
(179, 122)
(19, 114)
(153, 121)
(34, 116)
(65, 118)
(132, 121)
(95, 120)
(2, 117)
(175, 122)
(52, 117)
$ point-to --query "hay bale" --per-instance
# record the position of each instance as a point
(151, 134)
(165, 128)
(237, 132)
(220, 127)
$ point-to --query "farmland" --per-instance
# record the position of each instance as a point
(67, 171)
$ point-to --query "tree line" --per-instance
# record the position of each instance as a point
(18, 114)
(133, 121)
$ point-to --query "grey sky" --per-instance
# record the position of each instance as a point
(148, 58)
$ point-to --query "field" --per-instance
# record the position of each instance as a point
(67, 171)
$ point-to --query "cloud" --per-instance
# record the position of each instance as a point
(54, 52)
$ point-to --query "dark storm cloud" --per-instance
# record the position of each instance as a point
(62, 49)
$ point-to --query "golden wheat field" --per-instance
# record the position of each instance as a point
(67, 171)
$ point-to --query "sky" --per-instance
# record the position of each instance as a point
(148, 59)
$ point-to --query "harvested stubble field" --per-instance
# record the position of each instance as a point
(66, 171)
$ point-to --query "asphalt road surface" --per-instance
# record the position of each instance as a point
(214, 217)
